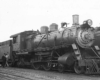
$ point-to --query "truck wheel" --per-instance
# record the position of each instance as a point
(78, 69)
(47, 66)
(35, 65)
(61, 68)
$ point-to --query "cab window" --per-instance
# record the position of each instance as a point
(15, 39)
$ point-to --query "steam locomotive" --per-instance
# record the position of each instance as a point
(72, 48)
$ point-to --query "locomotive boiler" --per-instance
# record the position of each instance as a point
(65, 48)
(71, 48)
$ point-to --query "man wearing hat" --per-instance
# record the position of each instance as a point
(5, 60)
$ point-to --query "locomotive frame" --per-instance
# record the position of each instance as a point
(69, 49)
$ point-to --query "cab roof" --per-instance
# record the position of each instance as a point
(22, 33)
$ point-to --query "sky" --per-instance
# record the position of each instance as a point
(21, 15)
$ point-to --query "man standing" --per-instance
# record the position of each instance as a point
(5, 60)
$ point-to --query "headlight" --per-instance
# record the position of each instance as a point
(89, 21)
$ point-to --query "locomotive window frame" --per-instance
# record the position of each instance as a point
(15, 39)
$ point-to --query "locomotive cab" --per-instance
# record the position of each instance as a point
(20, 41)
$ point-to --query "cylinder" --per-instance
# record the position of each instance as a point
(53, 27)
(66, 59)
(75, 19)
(44, 29)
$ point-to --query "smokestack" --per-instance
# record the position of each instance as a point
(75, 19)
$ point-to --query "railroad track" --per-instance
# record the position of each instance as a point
(29, 74)
(11, 74)
(13, 77)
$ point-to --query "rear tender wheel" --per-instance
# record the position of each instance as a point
(47, 66)
(18, 63)
(10, 64)
(61, 68)
(78, 69)
(35, 65)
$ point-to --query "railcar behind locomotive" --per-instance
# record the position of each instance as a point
(97, 37)
(72, 48)
(6, 48)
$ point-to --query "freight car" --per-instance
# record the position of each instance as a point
(6, 48)
(72, 48)
(97, 36)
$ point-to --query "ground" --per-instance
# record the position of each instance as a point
(30, 74)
